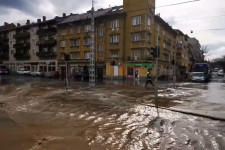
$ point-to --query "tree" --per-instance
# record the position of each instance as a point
(219, 62)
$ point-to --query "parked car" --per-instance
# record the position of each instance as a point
(4, 70)
(220, 72)
(36, 73)
(49, 74)
(22, 71)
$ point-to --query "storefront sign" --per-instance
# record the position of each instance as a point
(141, 65)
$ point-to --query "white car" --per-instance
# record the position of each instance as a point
(220, 73)
(22, 71)
(36, 73)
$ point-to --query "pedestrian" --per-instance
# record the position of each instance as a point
(149, 80)
(136, 75)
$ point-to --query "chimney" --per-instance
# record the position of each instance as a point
(71, 13)
(5, 23)
(38, 20)
(44, 18)
(28, 22)
(64, 14)
(18, 25)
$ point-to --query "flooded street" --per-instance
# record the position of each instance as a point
(37, 114)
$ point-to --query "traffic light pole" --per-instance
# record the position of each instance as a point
(156, 74)
(92, 50)
(66, 75)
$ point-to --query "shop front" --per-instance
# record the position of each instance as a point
(138, 71)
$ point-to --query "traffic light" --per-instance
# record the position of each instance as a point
(66, 57)
(113, 63)
(154, 52)
(173, 62)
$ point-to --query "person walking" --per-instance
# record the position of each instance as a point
(149, 80)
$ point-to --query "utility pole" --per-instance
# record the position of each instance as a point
(92, 50)
(157, 55)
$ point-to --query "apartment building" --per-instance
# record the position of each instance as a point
(74, 38)
(183, 55)
(123, 39)
(4, 41)
(167, 46)
(33, 46)
(138, 37)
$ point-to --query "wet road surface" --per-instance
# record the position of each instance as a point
(107, 117)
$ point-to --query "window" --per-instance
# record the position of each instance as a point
(136, 37)
(72, 43)
(87, 28)
(114, 39)
(101, 48)
(87, 55)
(135, 55)
(78, 29)
(114, 54)
(72, 31)
(63, 44)
(148, 21)
(75, 55)
(77, 42)
(62, 55)
(136, 20)
(148, 37)
(115, 24)
(87, 41)
(63, 32)
(100, 33)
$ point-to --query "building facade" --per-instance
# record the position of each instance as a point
(167, 47)
(33, 46)
(125, 37)
(4, 41)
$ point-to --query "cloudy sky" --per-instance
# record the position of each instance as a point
(206, 18)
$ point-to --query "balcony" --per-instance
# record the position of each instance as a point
(140, 59)
(44, 32)
(22, 35)
(22, 45)
(141, 28)
(46, 55)
(166, 50)
(22, 56)
(140, 44)
(114, 46)
(51, 42)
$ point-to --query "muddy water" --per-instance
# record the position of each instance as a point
(107, 117)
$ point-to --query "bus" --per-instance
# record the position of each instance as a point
(201, 72)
